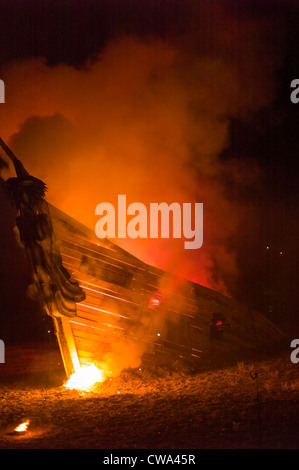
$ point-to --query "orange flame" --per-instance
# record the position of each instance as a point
(22, 427)
(85, 378)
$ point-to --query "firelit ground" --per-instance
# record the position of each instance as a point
(150, 408)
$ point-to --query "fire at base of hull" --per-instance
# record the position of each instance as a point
(111, 309)
(134, 312)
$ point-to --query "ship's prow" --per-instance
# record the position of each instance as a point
(132, 306)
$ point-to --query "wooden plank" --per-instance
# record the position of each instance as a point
(67, 331)
(102, 254)
(85, 332)
(88, 344)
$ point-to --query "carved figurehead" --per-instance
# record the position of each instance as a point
(52, 282)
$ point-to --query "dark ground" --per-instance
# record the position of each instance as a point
(156, 408)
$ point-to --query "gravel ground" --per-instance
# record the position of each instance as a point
(149, 408)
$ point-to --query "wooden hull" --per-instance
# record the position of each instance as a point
(111, 308)
(134, 312)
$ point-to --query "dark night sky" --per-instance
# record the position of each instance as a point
(72, 32)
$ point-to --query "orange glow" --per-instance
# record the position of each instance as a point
(154, 302)
(85, 378)
(109, 142)
(22, 427)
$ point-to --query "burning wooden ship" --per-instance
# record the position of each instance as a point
(108, 305)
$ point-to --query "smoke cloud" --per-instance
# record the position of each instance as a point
(149, 118)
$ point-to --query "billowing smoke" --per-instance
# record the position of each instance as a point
(149, 119)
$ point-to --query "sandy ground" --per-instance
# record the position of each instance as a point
(151, 408)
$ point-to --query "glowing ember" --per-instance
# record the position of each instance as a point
(22, 427)
(154, 302)
(85, 378)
